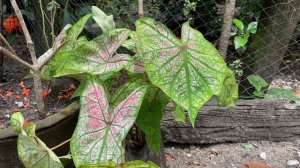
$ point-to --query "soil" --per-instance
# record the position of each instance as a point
(234, 155)
(13, 96)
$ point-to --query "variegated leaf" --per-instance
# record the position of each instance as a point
(101, 129)
(190, 70)
(96, 56)
(71, 41)
(32, 152)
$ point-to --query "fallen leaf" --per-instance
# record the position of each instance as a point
(46, 92)
(9, 93)
(169, 157)
(256, 165)
(25, 91)
(21, 84)
(18, 97)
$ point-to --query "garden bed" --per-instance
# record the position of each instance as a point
(17, 93)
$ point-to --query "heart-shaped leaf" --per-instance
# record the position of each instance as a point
(96, 56)
(190, 71)
(31, 150)
(101, 127)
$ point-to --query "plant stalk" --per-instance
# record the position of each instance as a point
(61, 144)
(38, 87)
(43, 23)
(35, 67)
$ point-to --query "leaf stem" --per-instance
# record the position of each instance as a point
(61, 144)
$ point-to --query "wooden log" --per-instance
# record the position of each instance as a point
(272, 120)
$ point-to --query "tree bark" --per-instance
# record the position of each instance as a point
(225, 34)
(276, 28)
(271, 120)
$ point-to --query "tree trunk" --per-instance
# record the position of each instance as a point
(271, 120)
(225, 34)
(276, 28)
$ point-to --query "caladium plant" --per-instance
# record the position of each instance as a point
(31, 150)
(102, 127)
(187, 71)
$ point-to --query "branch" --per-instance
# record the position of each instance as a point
(25, 30)
(7, 44)
(58, 43)
(47, 56)
(15, 57)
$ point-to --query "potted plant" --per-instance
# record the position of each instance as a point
(163, 68)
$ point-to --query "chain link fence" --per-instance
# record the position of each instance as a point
(272, 51)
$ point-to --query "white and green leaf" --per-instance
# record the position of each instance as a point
(190, 71)
(32, 152)
(102, 127)
(96, 57)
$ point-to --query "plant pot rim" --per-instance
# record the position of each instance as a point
(47, 122)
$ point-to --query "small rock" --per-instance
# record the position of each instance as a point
(263, 155)
(20, 104)
(189, 155)
(298, 154)
(293, 162)
(7, 116)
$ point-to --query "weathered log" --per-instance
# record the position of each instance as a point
(272, 120)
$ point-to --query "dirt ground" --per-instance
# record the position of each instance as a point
(235, 155)
(17, 93)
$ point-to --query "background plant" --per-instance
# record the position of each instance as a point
(241, 34)
(259, 84)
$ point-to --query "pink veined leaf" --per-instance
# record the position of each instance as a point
(96, 56)
(101, 129)
(189, 70)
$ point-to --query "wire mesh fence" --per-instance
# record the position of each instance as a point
(271, 51)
